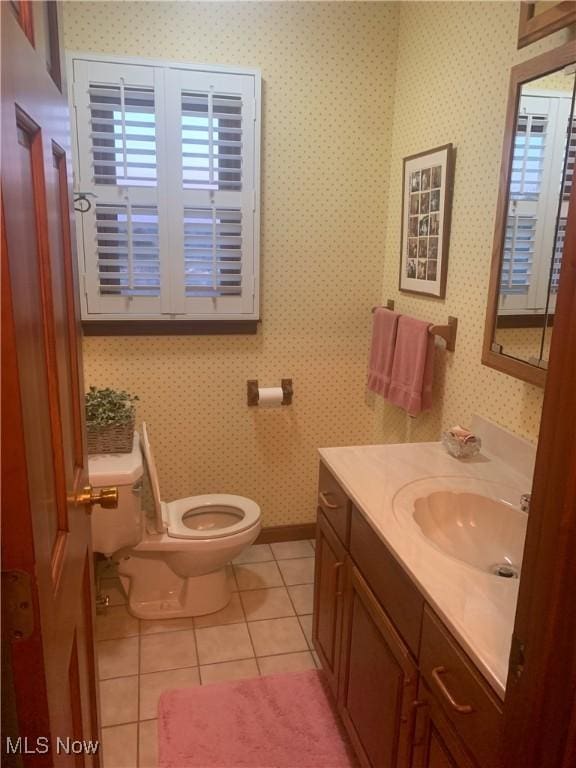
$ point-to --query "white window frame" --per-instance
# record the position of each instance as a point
(172, 304)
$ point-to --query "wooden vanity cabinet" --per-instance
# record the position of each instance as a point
(408, 695)
(378, 680)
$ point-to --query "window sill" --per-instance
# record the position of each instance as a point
(169, 327)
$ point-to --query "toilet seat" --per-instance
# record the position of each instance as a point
(217, 515)
(209, 506)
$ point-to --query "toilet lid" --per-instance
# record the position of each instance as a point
(211, 516)
(160, 525)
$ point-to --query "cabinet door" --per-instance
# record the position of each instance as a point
(436, 744)
(466, 700)
(378, 681)
(328, 586)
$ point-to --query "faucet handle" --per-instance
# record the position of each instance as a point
(525, 502)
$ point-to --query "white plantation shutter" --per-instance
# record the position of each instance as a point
(560, 234)
(557, 257)
(127, 249)
(570, 160)
(120, 151)
(530, 255)
(123, 134)
(212, 252)
(171, 155)
(118, 111)
(528, 156)
(217, 172)
(211, 141)
(523, 236)
(518, 255)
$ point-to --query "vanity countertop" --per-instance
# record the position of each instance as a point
(478, 607)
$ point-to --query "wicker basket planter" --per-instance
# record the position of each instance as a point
(110, 418)
(112, 438)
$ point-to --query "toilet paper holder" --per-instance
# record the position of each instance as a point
(252, 391)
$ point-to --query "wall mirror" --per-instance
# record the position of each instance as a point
(535, 182)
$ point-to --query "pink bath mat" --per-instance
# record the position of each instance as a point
(280, 721)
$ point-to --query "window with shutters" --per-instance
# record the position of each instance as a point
(533, 242)
(168, 155)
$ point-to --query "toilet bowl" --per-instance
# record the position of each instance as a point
(173, 562)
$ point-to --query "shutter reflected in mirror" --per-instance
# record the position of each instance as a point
(536, 178)
(518, 254)
(528, 158)
(570, 161)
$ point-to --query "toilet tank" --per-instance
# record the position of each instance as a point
(113, 529)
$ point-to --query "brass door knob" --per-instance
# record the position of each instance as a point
(106, 497)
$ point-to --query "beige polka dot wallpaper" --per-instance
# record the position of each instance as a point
(453, 68)
(348, 90)
(328, 85)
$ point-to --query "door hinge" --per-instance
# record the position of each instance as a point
(17, 609)
(517, 658)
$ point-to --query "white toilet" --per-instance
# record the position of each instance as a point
(171, 563)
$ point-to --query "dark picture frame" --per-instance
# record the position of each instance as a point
(427, 188)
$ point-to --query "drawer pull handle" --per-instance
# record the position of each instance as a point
(336, 568)
(464, 709)
(325, 501)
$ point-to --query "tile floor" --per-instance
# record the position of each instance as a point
(266, 628)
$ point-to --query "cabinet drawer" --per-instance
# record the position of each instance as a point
(464, 696)
(334, 504)
(400, 598)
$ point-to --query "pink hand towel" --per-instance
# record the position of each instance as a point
(384, 327)
(412, 367)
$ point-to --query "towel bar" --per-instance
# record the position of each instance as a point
(447, 332)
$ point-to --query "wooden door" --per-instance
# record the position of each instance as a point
(540, 705)
(328, 592)
(436, 744)
(378, 681)
(45, 533)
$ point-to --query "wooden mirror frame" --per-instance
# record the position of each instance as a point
(522, 73)
(533, 26)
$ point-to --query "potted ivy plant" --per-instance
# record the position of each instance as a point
(110, 417)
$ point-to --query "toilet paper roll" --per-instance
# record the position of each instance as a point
(270, 397)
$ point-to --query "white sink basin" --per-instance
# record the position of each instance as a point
(473, 521)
